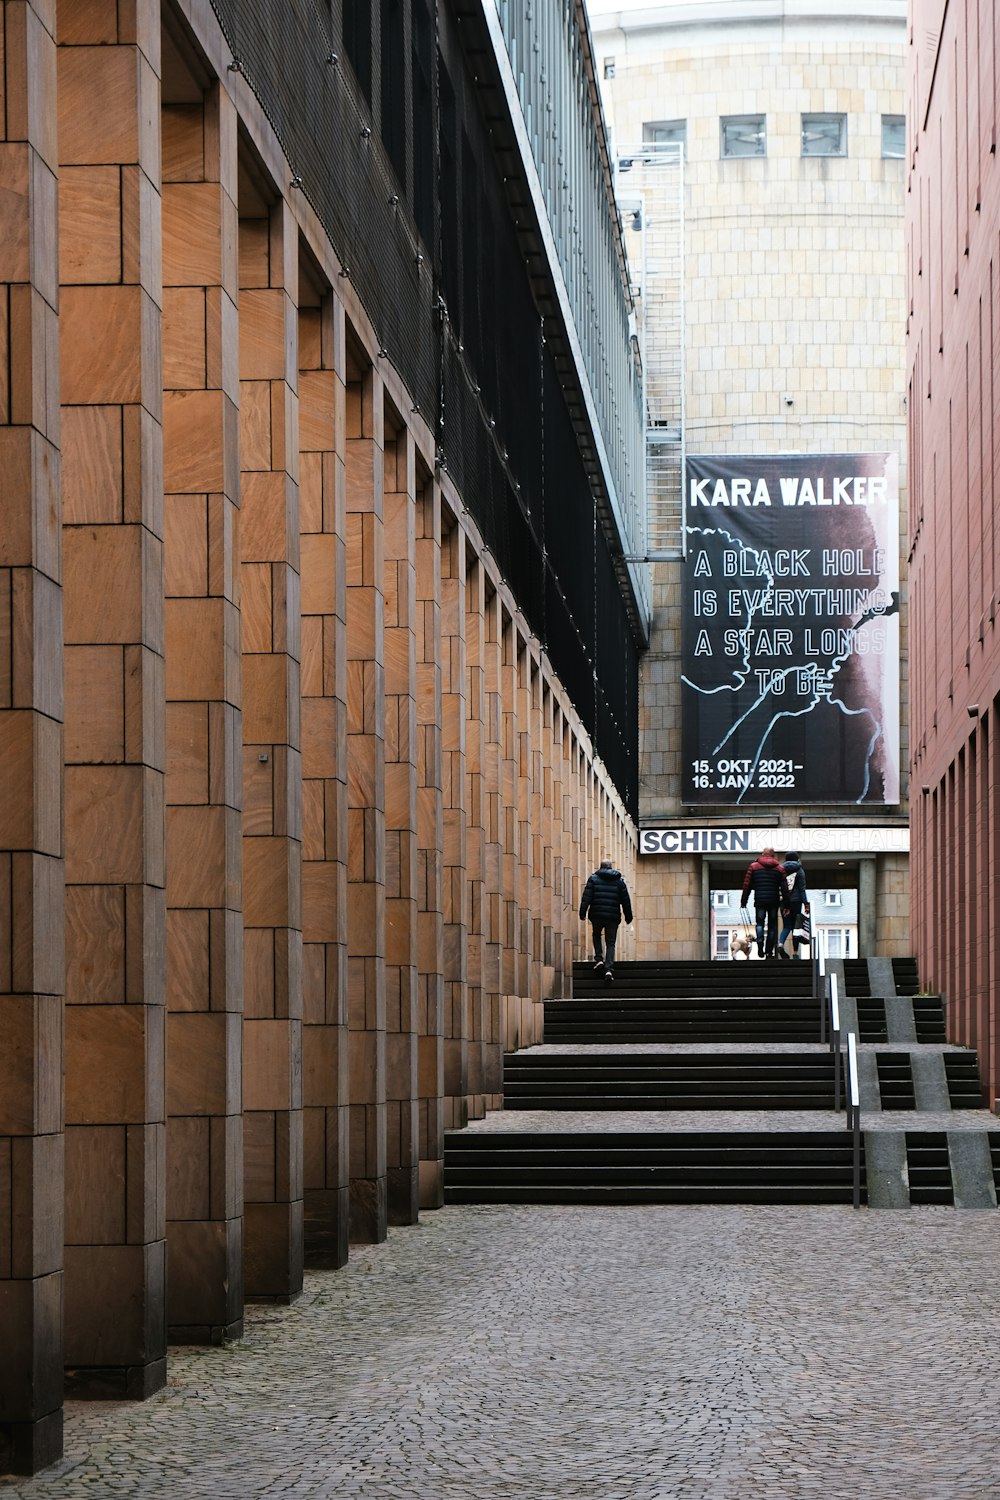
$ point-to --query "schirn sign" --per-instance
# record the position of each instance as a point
(863, 840)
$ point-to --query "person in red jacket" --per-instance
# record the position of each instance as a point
(766, 878)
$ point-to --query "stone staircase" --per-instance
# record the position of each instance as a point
(707, 1083)
(680, 1080)
(687, 1002)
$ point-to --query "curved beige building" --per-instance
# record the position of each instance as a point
(791, 118)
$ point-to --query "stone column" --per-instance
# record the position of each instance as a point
(475, 737)
(584, 855)
(528, 953)
(558, 846)
(111, 360)
(547, 848)
(595, 826)
(510, 953)
(324, 782)
(31, 752)
(401, 1020)
(866, 906)
(455, 886)
(430, 921)
(272, 765)
(204, 739)
(571, 823)
(366, 803)
(492, 848)
(536, 824)
(531, 813)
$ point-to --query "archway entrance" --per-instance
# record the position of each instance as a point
(833, 886)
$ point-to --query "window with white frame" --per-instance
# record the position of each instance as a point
(743, 135)
(824, 135)
(722, 942)
(837, 942)
(720, 898)
(834, 898)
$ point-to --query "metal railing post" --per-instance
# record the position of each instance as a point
(854, 1113)
(835, 1039)
(819, 991)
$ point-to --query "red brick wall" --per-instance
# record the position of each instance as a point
(953, 330)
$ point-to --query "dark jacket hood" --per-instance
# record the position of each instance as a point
(608, 874)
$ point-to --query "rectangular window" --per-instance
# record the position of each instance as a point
(660, 131)
(450, 249)
(743, 135)
(838, 942)
(722, 943)
(893, 137)
(720, 898)
(393, 86)
(824, 135)
(358, 42)
(834, 898)
(422, 120)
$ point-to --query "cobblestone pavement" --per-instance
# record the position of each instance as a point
(530, 1353)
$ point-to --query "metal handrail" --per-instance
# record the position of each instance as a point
(835, 1039)
(819, 992)
(846, 1078)
(854, 1112)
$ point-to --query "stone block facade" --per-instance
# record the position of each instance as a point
(296, 813)
(794, 308)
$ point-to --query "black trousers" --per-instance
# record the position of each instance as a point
(610, 930)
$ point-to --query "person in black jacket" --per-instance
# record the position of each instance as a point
(605, 901)
(797, 899)
(766, 878)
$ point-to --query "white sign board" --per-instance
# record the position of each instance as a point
(864, 840)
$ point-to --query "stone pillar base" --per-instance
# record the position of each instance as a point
(369, 1211)
(431, 1178)
(115, 1382)
(327, 1213)
(273, 1254)
(204, 1333)
(402, 1195)
(27, 1447)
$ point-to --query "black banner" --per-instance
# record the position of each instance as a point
(790, 677)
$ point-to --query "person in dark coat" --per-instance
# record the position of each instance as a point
(797, 899)
(606, 900)
(766, 878)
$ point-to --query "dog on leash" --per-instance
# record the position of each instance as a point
(739, 944)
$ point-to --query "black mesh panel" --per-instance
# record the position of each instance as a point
(429, 242)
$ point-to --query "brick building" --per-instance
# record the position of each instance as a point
(953, 215)
(319, 428)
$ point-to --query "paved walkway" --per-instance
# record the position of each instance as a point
(509, 1353)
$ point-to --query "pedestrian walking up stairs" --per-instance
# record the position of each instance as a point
(708, 1083)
